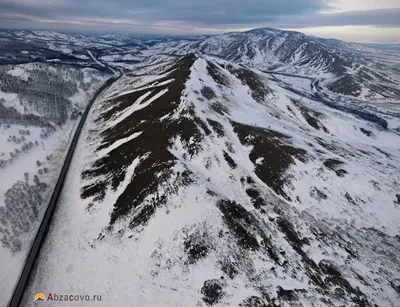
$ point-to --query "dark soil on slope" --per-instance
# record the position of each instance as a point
(312, 117)
(245, 227)
(229, 159)
(217, 127)
(197, 246)
(212, 291)
(258, 87)
(217, 74)
(278, 154)
(325, 275)
(153, 142)
(367, 132)
(253, 301)
(333, 165)
(208, 93)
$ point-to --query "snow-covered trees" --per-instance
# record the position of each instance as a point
(24, 132)
(40, 102)
(25, 147)
(21, 212)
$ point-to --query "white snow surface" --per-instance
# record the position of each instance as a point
(147, 265)
(47, 146)
(55, 145)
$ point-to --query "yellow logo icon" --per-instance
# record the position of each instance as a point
(39, 297)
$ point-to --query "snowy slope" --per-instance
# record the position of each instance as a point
(23, 46)
(352, 70)
(201, 182)
(40, 105)
(340, 67)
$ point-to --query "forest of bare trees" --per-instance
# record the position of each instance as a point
(43, 96)
(21, 211)
(44, 90)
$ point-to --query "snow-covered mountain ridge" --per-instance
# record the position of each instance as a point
(340, 67)
(204, 182)
(353, 70)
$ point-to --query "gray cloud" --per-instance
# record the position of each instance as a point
(206, 11)
(182, 16)
(387, 18)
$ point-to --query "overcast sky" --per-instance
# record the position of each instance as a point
(351, 20)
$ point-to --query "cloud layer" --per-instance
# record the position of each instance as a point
(206, 12)
(189, 16)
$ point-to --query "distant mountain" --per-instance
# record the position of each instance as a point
(355, 70)
(340, 66)
(269, 49)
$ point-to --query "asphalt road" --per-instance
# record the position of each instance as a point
(44, 226)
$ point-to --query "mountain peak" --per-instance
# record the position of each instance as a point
(264, 30)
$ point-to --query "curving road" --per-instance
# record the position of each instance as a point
(44, 226)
